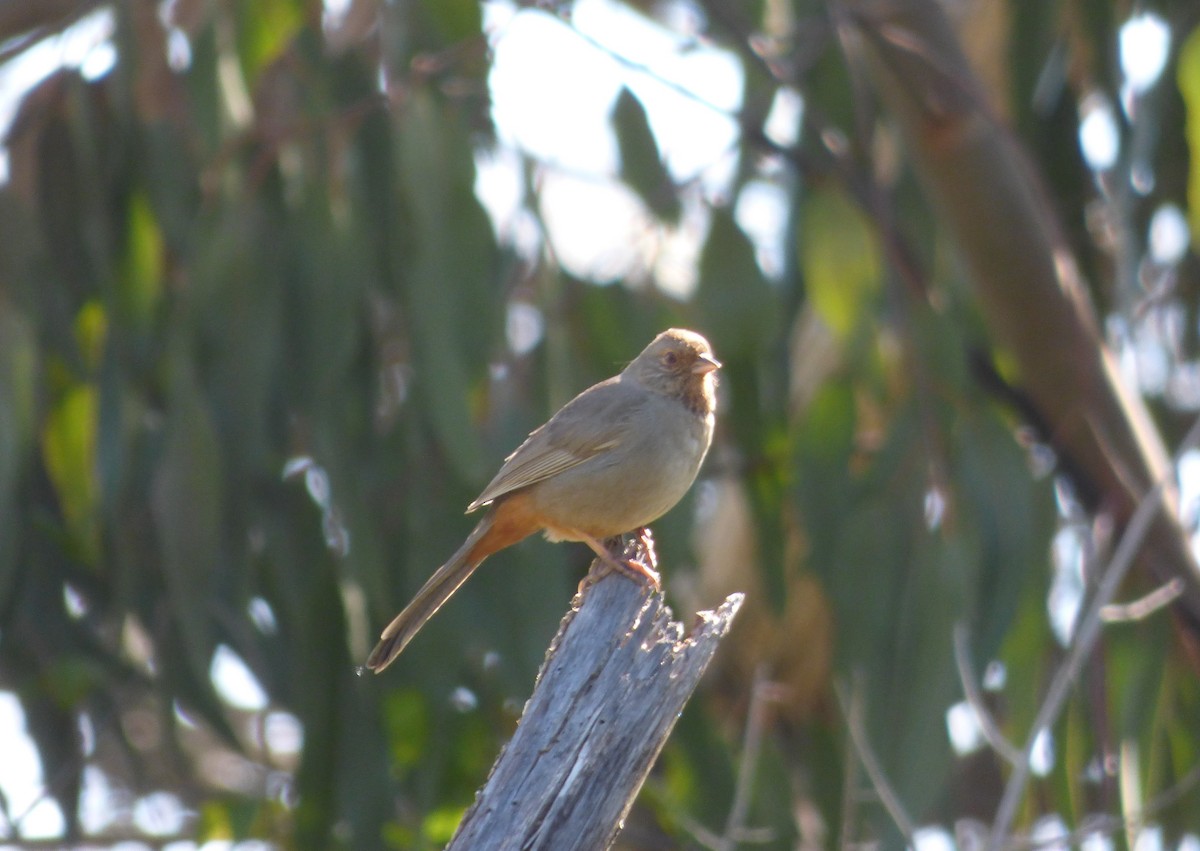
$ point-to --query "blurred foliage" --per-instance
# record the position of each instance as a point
(260, 343)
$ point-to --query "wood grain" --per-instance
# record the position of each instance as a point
(614, 681)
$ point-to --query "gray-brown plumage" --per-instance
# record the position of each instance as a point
(614, 459)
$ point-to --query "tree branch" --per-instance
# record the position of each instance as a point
(1029, 288)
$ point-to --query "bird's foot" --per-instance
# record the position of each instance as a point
(636, 570)
(636, 560)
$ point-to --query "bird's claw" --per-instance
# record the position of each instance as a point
(639, 571)
(643, 546)
(631, 568)
(637, 560)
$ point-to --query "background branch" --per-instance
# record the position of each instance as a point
(1030, 289)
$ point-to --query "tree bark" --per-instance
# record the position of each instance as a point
(1029, 287)
(614, 681)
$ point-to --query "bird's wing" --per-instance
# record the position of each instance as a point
(592, 423)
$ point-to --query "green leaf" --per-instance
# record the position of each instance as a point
(140, 286)
(455, 20)
(739, 310)
(18, 376)
(823, 449)
(63, 199)
(240, 328)
(186, 499)
(69, 452)
(896, 585)
(1188, 77)
(864, 579)
(447, 261)
(910, 713)
(265, 29)
(1015, 517)
(441, 823)
(700, 768)
(54, 727)
(839, 257)
(407, 723)
(1175, 750)
(321, 648)
(91, 330)
(641, 162)
(331, 288)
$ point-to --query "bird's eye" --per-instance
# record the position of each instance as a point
(670, 358)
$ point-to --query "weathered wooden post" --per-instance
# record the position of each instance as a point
(614, 681)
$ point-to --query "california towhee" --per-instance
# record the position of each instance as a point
(615, 458)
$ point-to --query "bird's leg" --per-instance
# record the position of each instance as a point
(630, 567)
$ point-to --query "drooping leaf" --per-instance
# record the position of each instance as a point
(938, 581)
(18, 375)
(642, 166)
(447, 273)
(839, 256)
(69, 453)
(141, 279)
(1188, 78)
(1015, 518)
(186, 499)
(738, 307)
(264, 32)
(454, 20)
(55, 730)
(823, 454)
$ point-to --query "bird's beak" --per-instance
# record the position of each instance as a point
(705, 364)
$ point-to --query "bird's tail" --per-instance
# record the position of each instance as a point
(433, 594)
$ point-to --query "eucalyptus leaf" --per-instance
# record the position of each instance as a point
(738, 307)
(642, 165)
(187, 502)
(449, 286)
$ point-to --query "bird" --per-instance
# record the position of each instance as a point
(611, 461)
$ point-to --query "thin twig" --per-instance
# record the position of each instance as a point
(1085, 638)
(1143, 607)
(1104, 824)
(762, 693)
(709, 839)
(646, 70)
(850, 773)
(987, 724)
(870, 763)
(1084, 641)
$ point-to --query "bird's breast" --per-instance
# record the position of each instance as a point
(630, 486)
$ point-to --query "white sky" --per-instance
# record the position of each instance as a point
(553, 86)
